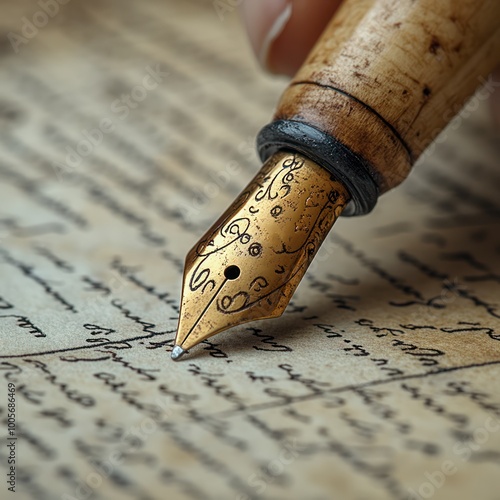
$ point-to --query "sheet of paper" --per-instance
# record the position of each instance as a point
(126, 128)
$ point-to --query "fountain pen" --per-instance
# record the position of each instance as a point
(380, 84)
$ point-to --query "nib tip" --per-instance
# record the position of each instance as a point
(177, 353)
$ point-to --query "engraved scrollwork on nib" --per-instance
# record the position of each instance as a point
(250, 262)
(279, 184)
(255, 249)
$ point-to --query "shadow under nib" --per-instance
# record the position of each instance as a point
(248, 265)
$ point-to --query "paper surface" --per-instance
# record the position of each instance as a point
(380, 381)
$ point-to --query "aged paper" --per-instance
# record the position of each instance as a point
(126, 129)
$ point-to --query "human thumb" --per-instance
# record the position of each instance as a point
(283, 32)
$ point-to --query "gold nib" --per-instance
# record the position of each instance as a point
(250, 262)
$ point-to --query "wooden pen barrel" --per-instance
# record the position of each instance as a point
(388, 75)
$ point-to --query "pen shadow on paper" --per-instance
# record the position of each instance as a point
(436, 267)
(433, 297)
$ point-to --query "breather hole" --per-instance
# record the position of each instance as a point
(232, 272)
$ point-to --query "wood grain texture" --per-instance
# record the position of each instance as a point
(387, 76)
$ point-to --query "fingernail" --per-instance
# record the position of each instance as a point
(274, 32)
